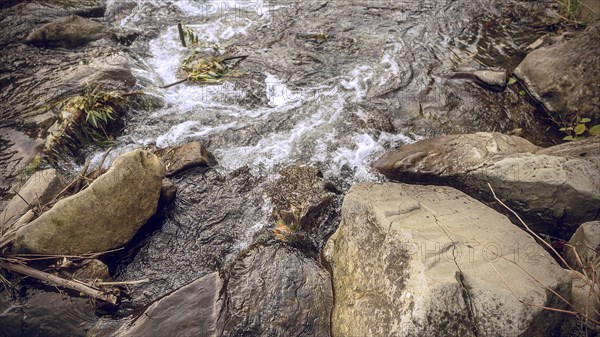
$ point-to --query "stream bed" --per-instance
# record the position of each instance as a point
(328, 84)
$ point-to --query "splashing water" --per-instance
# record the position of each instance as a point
(316, 134)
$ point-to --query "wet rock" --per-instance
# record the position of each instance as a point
(410, 260)
(111, 72)
(300, 196)
(564, 77)
(88, 270)
(39, 189)
(68, 32)
(553, 193)
(189, 311)
(85, 8)
(168, 192)
(184, 157)
(104, 216)
(446, 155)
(18, 150)
(21, 18)
(492, 79)
(36, 83)
(44, 313)
(276, 291)
(213, 218)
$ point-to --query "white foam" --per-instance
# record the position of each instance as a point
(277, 92)
(274, 149)
(188, 130)
(356, 157)
(393, 68)
(358, 81)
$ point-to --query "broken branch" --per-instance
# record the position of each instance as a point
(60, 282)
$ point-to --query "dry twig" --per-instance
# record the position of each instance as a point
(59, 281)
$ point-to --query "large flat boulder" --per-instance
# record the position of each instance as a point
(553, 193)
(555, 188)
(411, 260)
(104, 216)
(192, 310)
(564, 76)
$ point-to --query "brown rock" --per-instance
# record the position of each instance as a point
(303, 191)
(446, 155)
(69, 32)
(184, 157)
(104, 216)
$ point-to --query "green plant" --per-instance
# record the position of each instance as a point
(186, 33)
(578, 129)
(34, 164)
(569, 12)
(203, 70)
(321, 37)
(82, 120)
(97, 107)
(292, 231)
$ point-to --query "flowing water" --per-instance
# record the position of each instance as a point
(330, 84)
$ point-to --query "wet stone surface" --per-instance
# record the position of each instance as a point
(327, 84)
(212, 217)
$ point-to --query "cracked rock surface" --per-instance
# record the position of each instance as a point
(554, 189)
(413, 260)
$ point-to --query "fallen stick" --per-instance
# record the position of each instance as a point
(60, 282)
(131, 93)
(123, 283)
(38, 257)
(241, 57)
(172, 84)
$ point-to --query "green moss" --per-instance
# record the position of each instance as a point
(34, 165)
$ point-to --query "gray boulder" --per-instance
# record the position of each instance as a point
(410, 260)
(104, 216)
(39, 189)
(554, 194)
(555, 189)
(580, 252)
(564, 77)
(68, 32)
